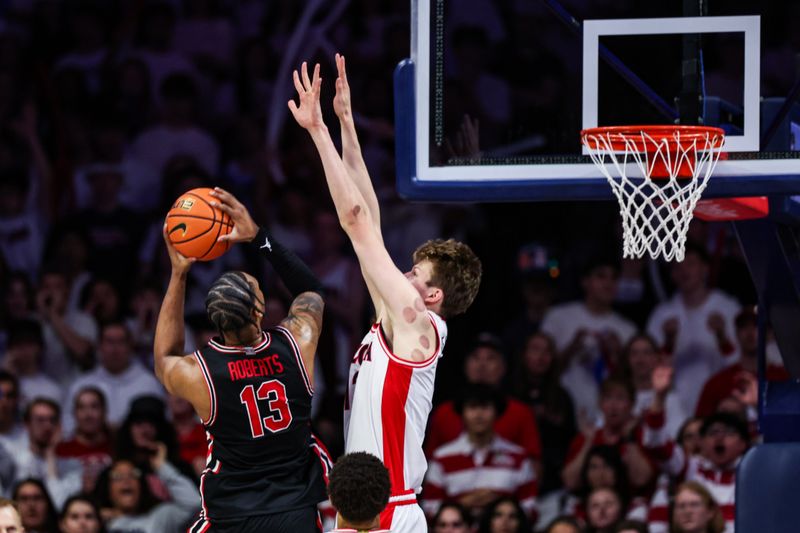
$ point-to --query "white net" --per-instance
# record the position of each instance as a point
(655, 212)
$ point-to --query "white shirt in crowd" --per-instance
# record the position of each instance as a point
(120, 390)
(696, 356)
(39, 386)
(563, 322)
(56, 362)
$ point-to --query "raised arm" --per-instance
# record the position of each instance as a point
(351, 148)
(304, 320)
(402, 308)
(354, 162)
(180, 374)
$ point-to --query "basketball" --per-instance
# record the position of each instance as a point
(194, 225)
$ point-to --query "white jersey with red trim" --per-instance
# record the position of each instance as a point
(388, 403)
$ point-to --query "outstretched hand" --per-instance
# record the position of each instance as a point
(244, 227)
(180, 263)
(341, 102)
(309, 113)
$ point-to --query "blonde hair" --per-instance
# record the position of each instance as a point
(717, 522)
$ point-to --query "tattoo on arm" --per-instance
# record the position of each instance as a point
(306, 313)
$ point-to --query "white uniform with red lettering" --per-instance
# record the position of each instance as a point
(389, 400)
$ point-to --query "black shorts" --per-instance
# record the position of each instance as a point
(298, 521)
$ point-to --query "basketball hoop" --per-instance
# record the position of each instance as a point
(658, 174)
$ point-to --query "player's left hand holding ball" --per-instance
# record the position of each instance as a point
(244, 227)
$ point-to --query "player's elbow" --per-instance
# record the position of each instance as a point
(354, 219)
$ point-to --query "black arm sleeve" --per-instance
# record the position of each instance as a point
(294, 273)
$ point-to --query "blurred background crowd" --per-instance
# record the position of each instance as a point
(617, 395)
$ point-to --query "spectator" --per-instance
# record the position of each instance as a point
(127, 504)
(604, 469)
(69, 249)
(689, 436)
(38, 459)
(478, 466)
(452, 518)
(724, 439)
(119, 375)
(10, 521)
(537, 383)
(694, 327)
(689, 440)
(731, 381)
(102, 300)
(141, 321)
(345, 293)
(22, 221)
(250, 89)
(130, 98)
(620, 429)
(359, 490)
(36, 509)
(24, 360)
(485, 363)
(206, 36)
(91, 442)
(80, 515)
(69, 335)
(589, 334)
(563, 524)
(145, 426)
(639, 358)
(604, 510)
(156, 29)
(537, 295)
(13, 434)
(631, 526)
(177, 133)
(87, 32)
(695, 510)
(17, 302)
(504, 516)
(192, 440)
(114, 232)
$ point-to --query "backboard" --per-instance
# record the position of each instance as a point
(530, 74)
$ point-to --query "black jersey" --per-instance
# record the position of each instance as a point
(262, 458)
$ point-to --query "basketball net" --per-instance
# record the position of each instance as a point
(657, 174)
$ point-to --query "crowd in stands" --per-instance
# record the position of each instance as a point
(581, 393)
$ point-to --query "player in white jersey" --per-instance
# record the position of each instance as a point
(392, 376)
(359, 490)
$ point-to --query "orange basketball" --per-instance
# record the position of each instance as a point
(194, 226)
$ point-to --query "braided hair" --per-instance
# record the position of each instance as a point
(230, 302)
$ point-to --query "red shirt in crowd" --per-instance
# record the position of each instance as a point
(722, 384)
(516, 424)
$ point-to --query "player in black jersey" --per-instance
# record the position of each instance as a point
(252, 389)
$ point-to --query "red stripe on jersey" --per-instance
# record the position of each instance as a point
(212, 395)
(386, 517)
(413, 364)
(393, 414)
